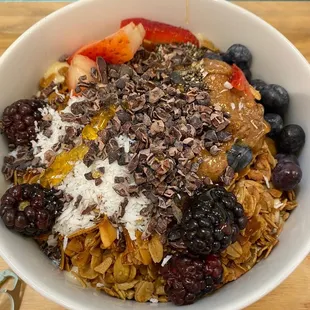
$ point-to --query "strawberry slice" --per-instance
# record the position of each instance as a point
(158, 33)
(80, 65)
(117, 48)
(239, 81)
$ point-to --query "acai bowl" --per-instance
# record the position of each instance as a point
(184, 174)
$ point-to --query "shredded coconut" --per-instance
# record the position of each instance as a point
(266, 181)
(52, 240)
(166, 260)
(58, 93)
(240, 106)
(107, 200)
(123, 141)
(277, 204)
(228, 85)
(65, 243)
(233, 106)
(154, 300)
(58, 128)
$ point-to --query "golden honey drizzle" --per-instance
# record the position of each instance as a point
(98, 123)
(62, 166)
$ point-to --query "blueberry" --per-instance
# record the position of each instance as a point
(286, 175)
(275, 99)
(212, 55)
(239, 156)
(291, 139)
(276, 123)
(238, 54)
(258, 84)
(287, 158)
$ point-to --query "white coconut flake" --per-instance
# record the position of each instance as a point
(233, 106)
(100, 285)
(228, 85)
(154, 300)
(65, 243)
(123, 141)
(58, 128)
(107, 200)
(52, 240)
(240, 106)
(58, 93)
(166, 260)
(266, 181)
(277, 204)
(132, 218)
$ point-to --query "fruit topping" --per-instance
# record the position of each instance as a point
(238, 54)
(239, 81)
(30, 209)
(80, 66)
(275, 99)
(276, 124)
(117, 48)
(287, 158)
(18, 121)
(239, 156)
(161, 33)
(291, 139)
(213, 271)
(212, 220)
(187, 279)
(286, 175)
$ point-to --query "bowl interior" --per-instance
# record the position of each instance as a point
(275, 60)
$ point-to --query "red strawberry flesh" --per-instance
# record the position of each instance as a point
(161, 33)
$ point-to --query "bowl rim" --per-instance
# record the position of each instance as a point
(241, 303)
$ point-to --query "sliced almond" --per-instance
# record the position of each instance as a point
(95, 261)
(127, 285)
(81, 259)
(132, 274)
(104, 266)
(107, 232)
(144, 291)
(121, 272)
(156, 249)
(87, 272)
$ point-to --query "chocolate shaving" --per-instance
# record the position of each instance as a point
(89, 209)
(102, 70)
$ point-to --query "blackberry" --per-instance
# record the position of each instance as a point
(18, 121)
(213, 271)
(212, 220)
(188, 279)
(30, 209)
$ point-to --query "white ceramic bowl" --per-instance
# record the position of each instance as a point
(275, 60)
